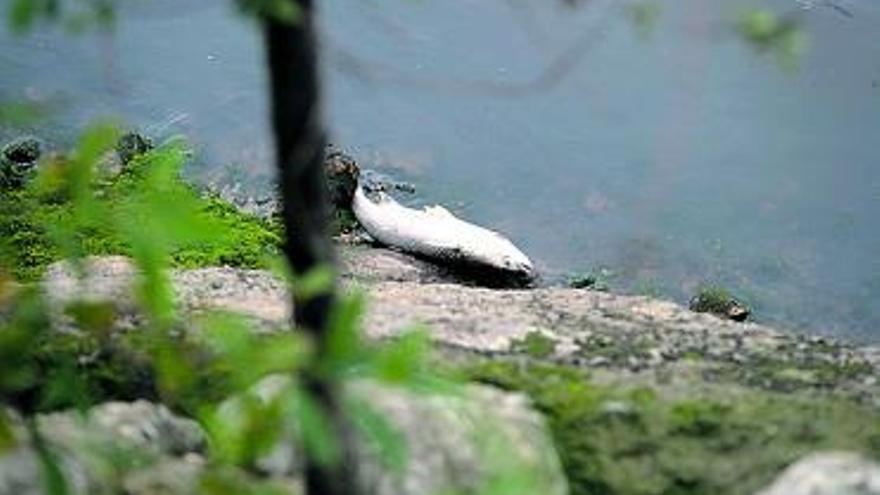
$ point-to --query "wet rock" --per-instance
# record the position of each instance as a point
(828, 473)
(18, 161)
(131, 145)
(719, 302)
(342, 173)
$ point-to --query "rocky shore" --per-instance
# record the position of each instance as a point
(570, 390)
(615, 336)
(707, 380)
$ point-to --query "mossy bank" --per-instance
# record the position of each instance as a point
(29, 214)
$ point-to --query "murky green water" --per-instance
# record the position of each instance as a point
(672, 157)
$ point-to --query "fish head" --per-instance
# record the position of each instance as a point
(519, 264)
(503, 255)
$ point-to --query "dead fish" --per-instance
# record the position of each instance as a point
(436, 233)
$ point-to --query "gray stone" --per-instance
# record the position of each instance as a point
(828, 473)
(142, 424)
(96, 448)
(601, 330)
(455, 443)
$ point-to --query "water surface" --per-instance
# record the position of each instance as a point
(672, 157)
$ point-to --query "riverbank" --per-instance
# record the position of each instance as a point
(642, 396)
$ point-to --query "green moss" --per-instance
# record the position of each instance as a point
(595, 280)
(810, 370)
(617, 440)
(82, 369)
(534, 344)
(617, 351)
(242, 240)
(717, 300)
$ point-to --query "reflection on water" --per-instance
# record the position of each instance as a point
(674, 155)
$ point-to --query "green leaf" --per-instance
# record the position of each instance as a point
(317, 281)
(314, 428)
(382, 435)
(402, 360)
(7, 437)
(343, 347)
(285, 11)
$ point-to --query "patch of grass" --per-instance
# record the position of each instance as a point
(635, 441)
(534, 344)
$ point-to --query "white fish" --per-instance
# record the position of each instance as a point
(436, 233)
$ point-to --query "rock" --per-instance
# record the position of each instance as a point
(364, 264)
(454, 443)
(828, 473)
(18, 161)
(252, 292)
(139, 435)
(590, 328)
(342, 174)
(108, 279)
(142, 424)
(20, 472)
(167, 477)
(719, 302)
(457, 443)
(131, 145)
(23, 150)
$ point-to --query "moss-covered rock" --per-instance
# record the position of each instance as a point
(618, 440)
(18, 161)
(718, 301)
(342, 174)
(131, 145)
(26, 217)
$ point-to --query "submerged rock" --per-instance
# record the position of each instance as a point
(18, 161)
(828, 473)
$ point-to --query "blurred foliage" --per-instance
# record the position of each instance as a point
(780, 35)
(77, 16)
(535, 344)
(281, 10)
(629, 440)
(212, 365)
(18, 113)
(74, 15)
(644, 16)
